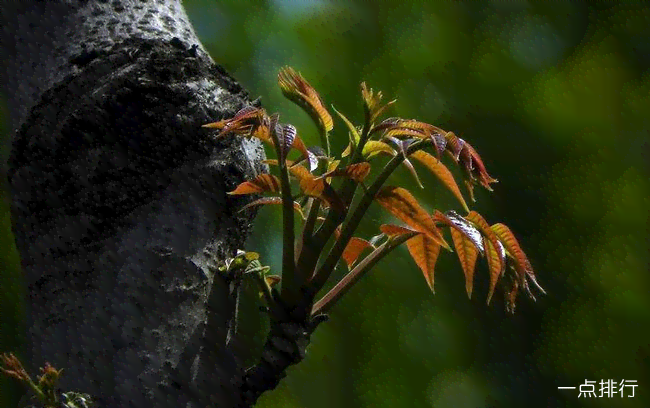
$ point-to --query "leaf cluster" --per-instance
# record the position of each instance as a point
(328, 196)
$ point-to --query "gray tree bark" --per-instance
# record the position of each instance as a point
(119, 202)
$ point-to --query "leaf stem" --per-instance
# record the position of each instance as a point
(341, 288)
(323, 273)
(289, 284)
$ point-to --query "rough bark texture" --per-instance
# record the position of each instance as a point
(118, 199)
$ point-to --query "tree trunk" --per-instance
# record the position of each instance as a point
(119, 202)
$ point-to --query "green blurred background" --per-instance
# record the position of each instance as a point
(556, 99)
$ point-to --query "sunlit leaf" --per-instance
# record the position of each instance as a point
(418, 129)
(467, 241)
(372, 103)
(357, 172)
(245, 122)
(475, 167)
(299, 91)
(404, 133)
(455, 221)
(374, 147)
(424, 250)
(401, 204)
(522, 265)
(442, 173)
(385, 124)
(273, 201)
(347, 151)
(247, 112)
(311, 158)
(393, 231)
(495, 260)
(467, 253)
(353, 249)
(263, 133)
(454, 145)
(260, 184)
(353, 131)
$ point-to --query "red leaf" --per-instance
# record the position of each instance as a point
(357, 172)
(495, 260)
(455, 221)
(393, 231)
(311, 158)
(273, 201)
(354, 248)
(474, 166)
(442, 173)
(299, 91)
(260, 184)
(467, 254)
(522, 265)
(399, 202)
(424, 250)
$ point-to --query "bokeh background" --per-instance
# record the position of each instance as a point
(555, 96)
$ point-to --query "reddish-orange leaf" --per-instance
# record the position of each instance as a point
(273, 201)
(272, 280)
(387, 123)
(455, 221)
(299, 91)
(260, 184)
(392, 230)
(422, 126)
(245, 122)
(424, 250)
(467, 241)
(454, 145)
(496, 263)
(357, 172)
(511, 295)
(467, 253)
(263, 133)
(354, 248)
(522, 265)
(399, 202)
(311, 158)
(401, 132)
(309, 184)
(247, 112)
(412, 124)
(442, 173)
